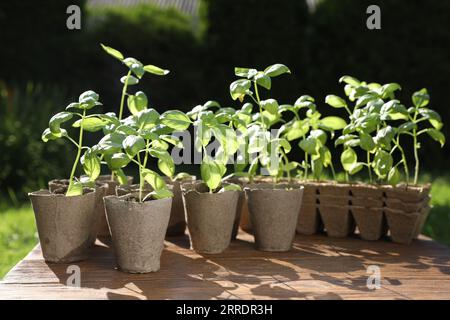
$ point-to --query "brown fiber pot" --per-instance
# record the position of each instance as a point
(99, 210)
(274, 211)
(337, 220)
(64, 224)
(402, 225)
(242, 182)
(138, 231)
(177, 222)
(103, 229)
(210, 217)
(370, 221)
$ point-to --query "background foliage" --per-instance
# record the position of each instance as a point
(44, 66)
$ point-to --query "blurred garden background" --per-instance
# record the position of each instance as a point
(44, 66)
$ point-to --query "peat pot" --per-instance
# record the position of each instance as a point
(137, 231)
(240, 206)
(99, 210)
(274, 211)
(64, 223)
(103, 229)
(177, 222)
(210, 217)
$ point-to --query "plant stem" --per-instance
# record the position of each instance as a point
(124, 92)
(141, 180)
(261, 119)
(77, 158)
(306, 166)
(405, 164)
(332, 171)
(368, 167)
(416, 157)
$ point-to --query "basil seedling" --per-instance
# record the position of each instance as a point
(138, 138)
(271, 150)
(91, 163)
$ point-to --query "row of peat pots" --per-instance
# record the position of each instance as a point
(69, 225)
(339, 209)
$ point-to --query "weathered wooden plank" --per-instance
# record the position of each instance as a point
(318, 267)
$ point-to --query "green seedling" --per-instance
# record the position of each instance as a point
(91, 163)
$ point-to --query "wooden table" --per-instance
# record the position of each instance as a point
(318, 267)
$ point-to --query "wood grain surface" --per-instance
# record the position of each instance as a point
(318, 267)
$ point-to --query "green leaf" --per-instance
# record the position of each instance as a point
(333, 123)
(176, 120)
(365, 99)
(245, 72)
(421, 98)
(117, 160)
(388, 89)
(366, 142)
(407, 127)
(239, 88)
(165, 161)
(156, 70)
(385, 136)
(309, 145)
(348, 159)
(335, 101)
(113, 52)
(382, 163)
(344, 138)
(154, 179)
(271, 105)
(355, 168)
(147, 118)
(75, 189)
(111, 143)
(227, 139)
(276, 70)
(133, 144)
(212, 172)
(121, 177)
(231, 187)
(319, 135)
(263, 80)
(48, 135)
(91, 124)
(88, 99)
(131, 80)
(394, 176)
(436, 135)
(295, 130)
(91, 164)
(162, 194)
(137, 102)
(350, 80)
(56, 121)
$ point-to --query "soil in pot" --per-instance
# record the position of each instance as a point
(99, 210)
(337, 220)
(274, 211)
(138, 230)
(402, 225)
(210, 217)
(177, 222)
(64, 224)
(103, 229)
(370, 221)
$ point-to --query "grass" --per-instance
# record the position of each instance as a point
(18, 232)
(17, 236)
